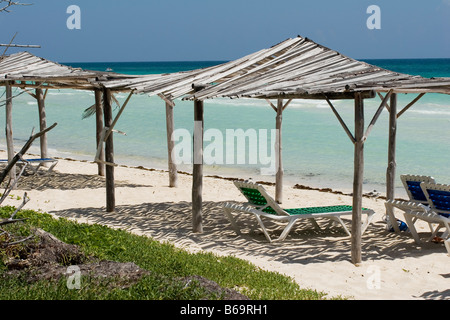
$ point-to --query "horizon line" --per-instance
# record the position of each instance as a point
(165, 61)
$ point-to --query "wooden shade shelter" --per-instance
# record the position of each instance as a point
(27, 71)
(296, 68)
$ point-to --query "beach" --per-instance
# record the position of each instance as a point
(394, 267)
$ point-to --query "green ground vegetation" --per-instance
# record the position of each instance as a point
(164, 261)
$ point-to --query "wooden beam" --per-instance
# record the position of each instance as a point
(197, 171)
(358, 180)
(99, 128)
(410, 104)
(331, 95)
(287, 103)
(113, 123)
(377, 114)
(42, 123)
(271, 104)
(109, 152)
(341, 121)
(9, 130)
(388, 108)
(19, 45)
(392, 165)
(166, 99)
(278, 150)
(173, 174)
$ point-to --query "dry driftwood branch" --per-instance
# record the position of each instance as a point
(7, 244)
(24, 149)
(6, 4)
(4, 244)
(24, 202)
(11, 45)
(10, 221)
(9, 187)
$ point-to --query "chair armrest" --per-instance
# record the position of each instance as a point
(406, 205)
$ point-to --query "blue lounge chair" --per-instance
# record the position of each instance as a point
(261, 205)
(415, 194)
(435, 212)
(438, 196)
(413, 189)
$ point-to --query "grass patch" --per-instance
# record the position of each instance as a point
(164, 261)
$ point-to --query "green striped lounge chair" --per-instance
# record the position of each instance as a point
(261, 205)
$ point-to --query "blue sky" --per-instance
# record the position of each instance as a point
(176, 30)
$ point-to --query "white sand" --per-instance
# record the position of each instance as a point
(393, 267)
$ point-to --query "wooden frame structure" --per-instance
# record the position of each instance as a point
(296, 68)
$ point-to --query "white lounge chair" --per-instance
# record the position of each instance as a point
(415, 194)
(261, 205)
(438, 196)
(435, 212)
(413, 189)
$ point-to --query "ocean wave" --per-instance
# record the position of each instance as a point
(431, 112)
(61, 93)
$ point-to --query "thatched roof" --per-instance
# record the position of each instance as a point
(26, 67)
(294, 68)
(305, 69)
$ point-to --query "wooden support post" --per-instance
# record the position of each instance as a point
(358, 179)
(9, 130)
(99, 128)
(278, 149)
(173, 175)
(109, 152)
(197, 172)
(392, 165)
(42, 123)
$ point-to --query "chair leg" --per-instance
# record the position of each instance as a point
(447, 246)
(314, 223)
(341, 222)
(412, 228)
(232, 220)
(52, 166)
(263, 227)
(287, 229)
(367, 222)
(434, 231)
(446, 233)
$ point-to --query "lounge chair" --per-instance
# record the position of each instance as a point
(413, 189)
(35, 164)
(435, 211)
(415, 195)
(262, 205)
(438, 196)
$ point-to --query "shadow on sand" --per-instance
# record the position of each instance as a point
(172, 222)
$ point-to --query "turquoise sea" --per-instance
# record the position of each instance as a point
(316, 150)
